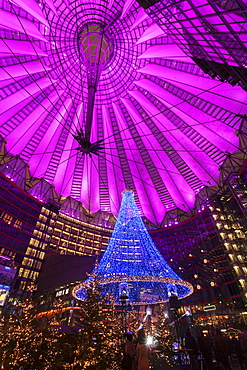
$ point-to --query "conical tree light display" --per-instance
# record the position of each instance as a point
(132, 265)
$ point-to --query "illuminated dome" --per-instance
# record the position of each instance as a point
(157, 121)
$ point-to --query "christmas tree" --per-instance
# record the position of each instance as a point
(162, 335)
(132, 264)
(54, 348)
(20, 337)
(100, 335)
(132, 322)
(25, 343)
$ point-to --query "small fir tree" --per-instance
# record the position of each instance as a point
(54, 344)
(20, 337)
(100, 335)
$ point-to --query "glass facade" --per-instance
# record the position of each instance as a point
(71, 236)
(19, 216)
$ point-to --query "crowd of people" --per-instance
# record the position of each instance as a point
(218, 347)
(216, 351)
(136, 357)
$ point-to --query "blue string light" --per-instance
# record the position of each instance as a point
(132, 263)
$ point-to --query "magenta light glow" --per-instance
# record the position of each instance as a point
(165, 126)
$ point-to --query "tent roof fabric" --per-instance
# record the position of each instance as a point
(164, 126)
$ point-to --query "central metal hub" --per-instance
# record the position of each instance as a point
(85, 146)
(96, 46)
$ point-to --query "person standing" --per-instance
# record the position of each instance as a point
(243, 343)
(142, 353)
(205, 346)
(239, 352)
(192, 350)
(128, 362)
(222, 349)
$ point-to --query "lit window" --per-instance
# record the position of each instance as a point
(242, 283)
(240, 234)
(7, 218)
(236, 268)
(22, 285)
(240, 258)
(35, 275)
(18, 224)
(27, 261)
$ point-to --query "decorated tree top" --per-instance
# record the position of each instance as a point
(132, 265)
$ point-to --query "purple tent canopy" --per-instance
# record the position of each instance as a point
(158, 124)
